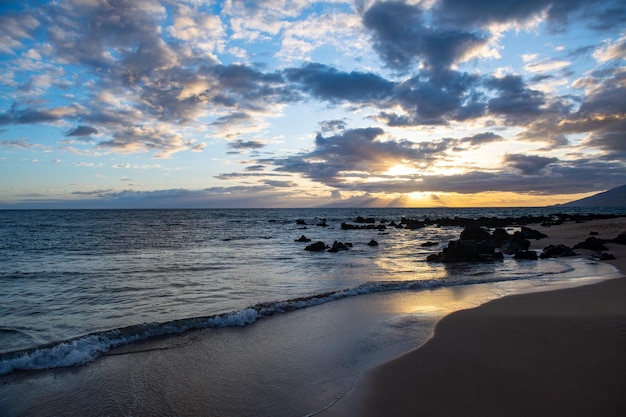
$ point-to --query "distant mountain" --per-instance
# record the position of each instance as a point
(615, 197)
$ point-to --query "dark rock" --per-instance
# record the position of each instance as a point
(621, 239)
(593, 233)
(349, 245)
(603, 256)
(517, 243)
(337, 246)
(372, 243)
(428, 244)
(529, 233)
(526, 254)
(592, 243)
(316, 247)
(365, 220)
(467, 251)
(300, 221)
(475, 232)
(322, 223)
(303, 239)
(393, 224)
(500, 235)
(557, 251)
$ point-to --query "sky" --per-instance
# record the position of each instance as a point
(300, 103)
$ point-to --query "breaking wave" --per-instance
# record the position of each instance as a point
(87, 348)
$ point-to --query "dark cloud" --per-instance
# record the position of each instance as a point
(246, 144)
(437, 99)
(280, 184)
(254, 168)
(598, 14)
(529, 164)
(481, 139)
(402, 36)
(327, 83)
(82, 130)
(327, 126)
(514, 99)
(18, 114)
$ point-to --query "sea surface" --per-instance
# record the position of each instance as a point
(77, 284)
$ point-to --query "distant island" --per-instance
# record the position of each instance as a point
(615, 197)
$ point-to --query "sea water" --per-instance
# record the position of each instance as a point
(79, 284)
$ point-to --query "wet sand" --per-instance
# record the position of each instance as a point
(556, 353)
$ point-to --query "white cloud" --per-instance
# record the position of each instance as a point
(611, 50)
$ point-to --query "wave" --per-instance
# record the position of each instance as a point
(87, 348)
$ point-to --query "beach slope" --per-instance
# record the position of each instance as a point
(557, 353)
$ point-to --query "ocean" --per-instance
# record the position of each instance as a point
(79, 288)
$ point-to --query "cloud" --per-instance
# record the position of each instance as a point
(529, 164)
(611, 50)
(17, 144)
(597, 14)
(327, 83)
(480, 139)
(82, 130)
(514, 100)
(246, 144)
(401, 36)
(357, 153)
(144, 139)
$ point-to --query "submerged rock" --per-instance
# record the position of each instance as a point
(337, 246)
(372, 243)
(526, 254)
(557, 251)
(303, 239)
(316, 247)
(467, 251)
(516, 243)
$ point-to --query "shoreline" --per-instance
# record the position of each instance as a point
(556, 352)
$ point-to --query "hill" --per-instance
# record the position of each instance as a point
(615, 197)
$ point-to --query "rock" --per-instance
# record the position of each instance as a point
(360, 219)
(475, 232)
(500, 235)
(593, 233)
(316, 247)
(516, 243)
(526, 254)
(372, 243)
(621, 239)
(337, 246)
(322, 223)
(604, 256)
(557, 251)
(301, 222)
(592, 243)
(529, 233)
(467, 251)
(428, 244)
(303, 239)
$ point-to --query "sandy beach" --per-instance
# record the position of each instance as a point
(556, 353)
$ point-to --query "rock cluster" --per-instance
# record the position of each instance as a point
(477, 244)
